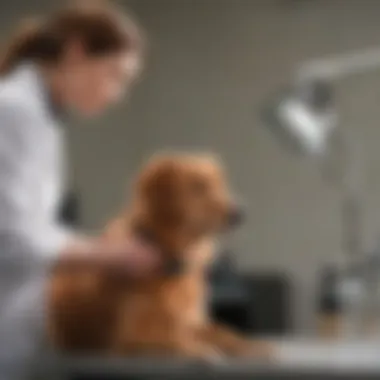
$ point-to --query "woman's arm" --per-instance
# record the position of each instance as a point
(27, 236)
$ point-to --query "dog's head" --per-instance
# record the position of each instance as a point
(188, 193)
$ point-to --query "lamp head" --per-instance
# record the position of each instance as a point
(304, 117)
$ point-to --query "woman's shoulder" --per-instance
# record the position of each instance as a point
(18, 97)
(16, 114)
(19, 122)
(16, 108)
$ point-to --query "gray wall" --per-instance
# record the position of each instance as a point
(211, 64)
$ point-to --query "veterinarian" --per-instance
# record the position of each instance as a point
(83, 59)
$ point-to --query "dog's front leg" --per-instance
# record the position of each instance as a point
(179, 348)
(233, 344)
(188, 346)
(177, 341)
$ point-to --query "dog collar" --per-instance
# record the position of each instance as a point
(173, 265)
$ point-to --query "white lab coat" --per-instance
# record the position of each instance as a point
(31, 182)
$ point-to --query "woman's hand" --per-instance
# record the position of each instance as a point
(132, 257)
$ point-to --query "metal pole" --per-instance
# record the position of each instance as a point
(341, 167)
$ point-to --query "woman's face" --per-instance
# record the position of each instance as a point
(91, 85)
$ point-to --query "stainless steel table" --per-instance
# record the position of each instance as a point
(295, 360)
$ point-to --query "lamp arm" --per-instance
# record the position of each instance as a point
(347, 176)
(339, 66)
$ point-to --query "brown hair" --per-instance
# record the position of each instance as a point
(101, 27)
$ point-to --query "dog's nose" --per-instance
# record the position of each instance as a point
(236, 216)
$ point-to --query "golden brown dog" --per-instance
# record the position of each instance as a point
(181, 204)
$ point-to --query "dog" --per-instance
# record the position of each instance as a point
(181, 204)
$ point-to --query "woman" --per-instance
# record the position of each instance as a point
(81, 58)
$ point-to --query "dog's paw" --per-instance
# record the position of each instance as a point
(261, 350)
(213, 356)
(209, 356)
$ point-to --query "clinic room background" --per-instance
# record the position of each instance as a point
(210, 66)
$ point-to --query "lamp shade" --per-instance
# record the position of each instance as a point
(303, 117)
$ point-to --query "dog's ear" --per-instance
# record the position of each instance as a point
(159, 180)
(160, 188)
